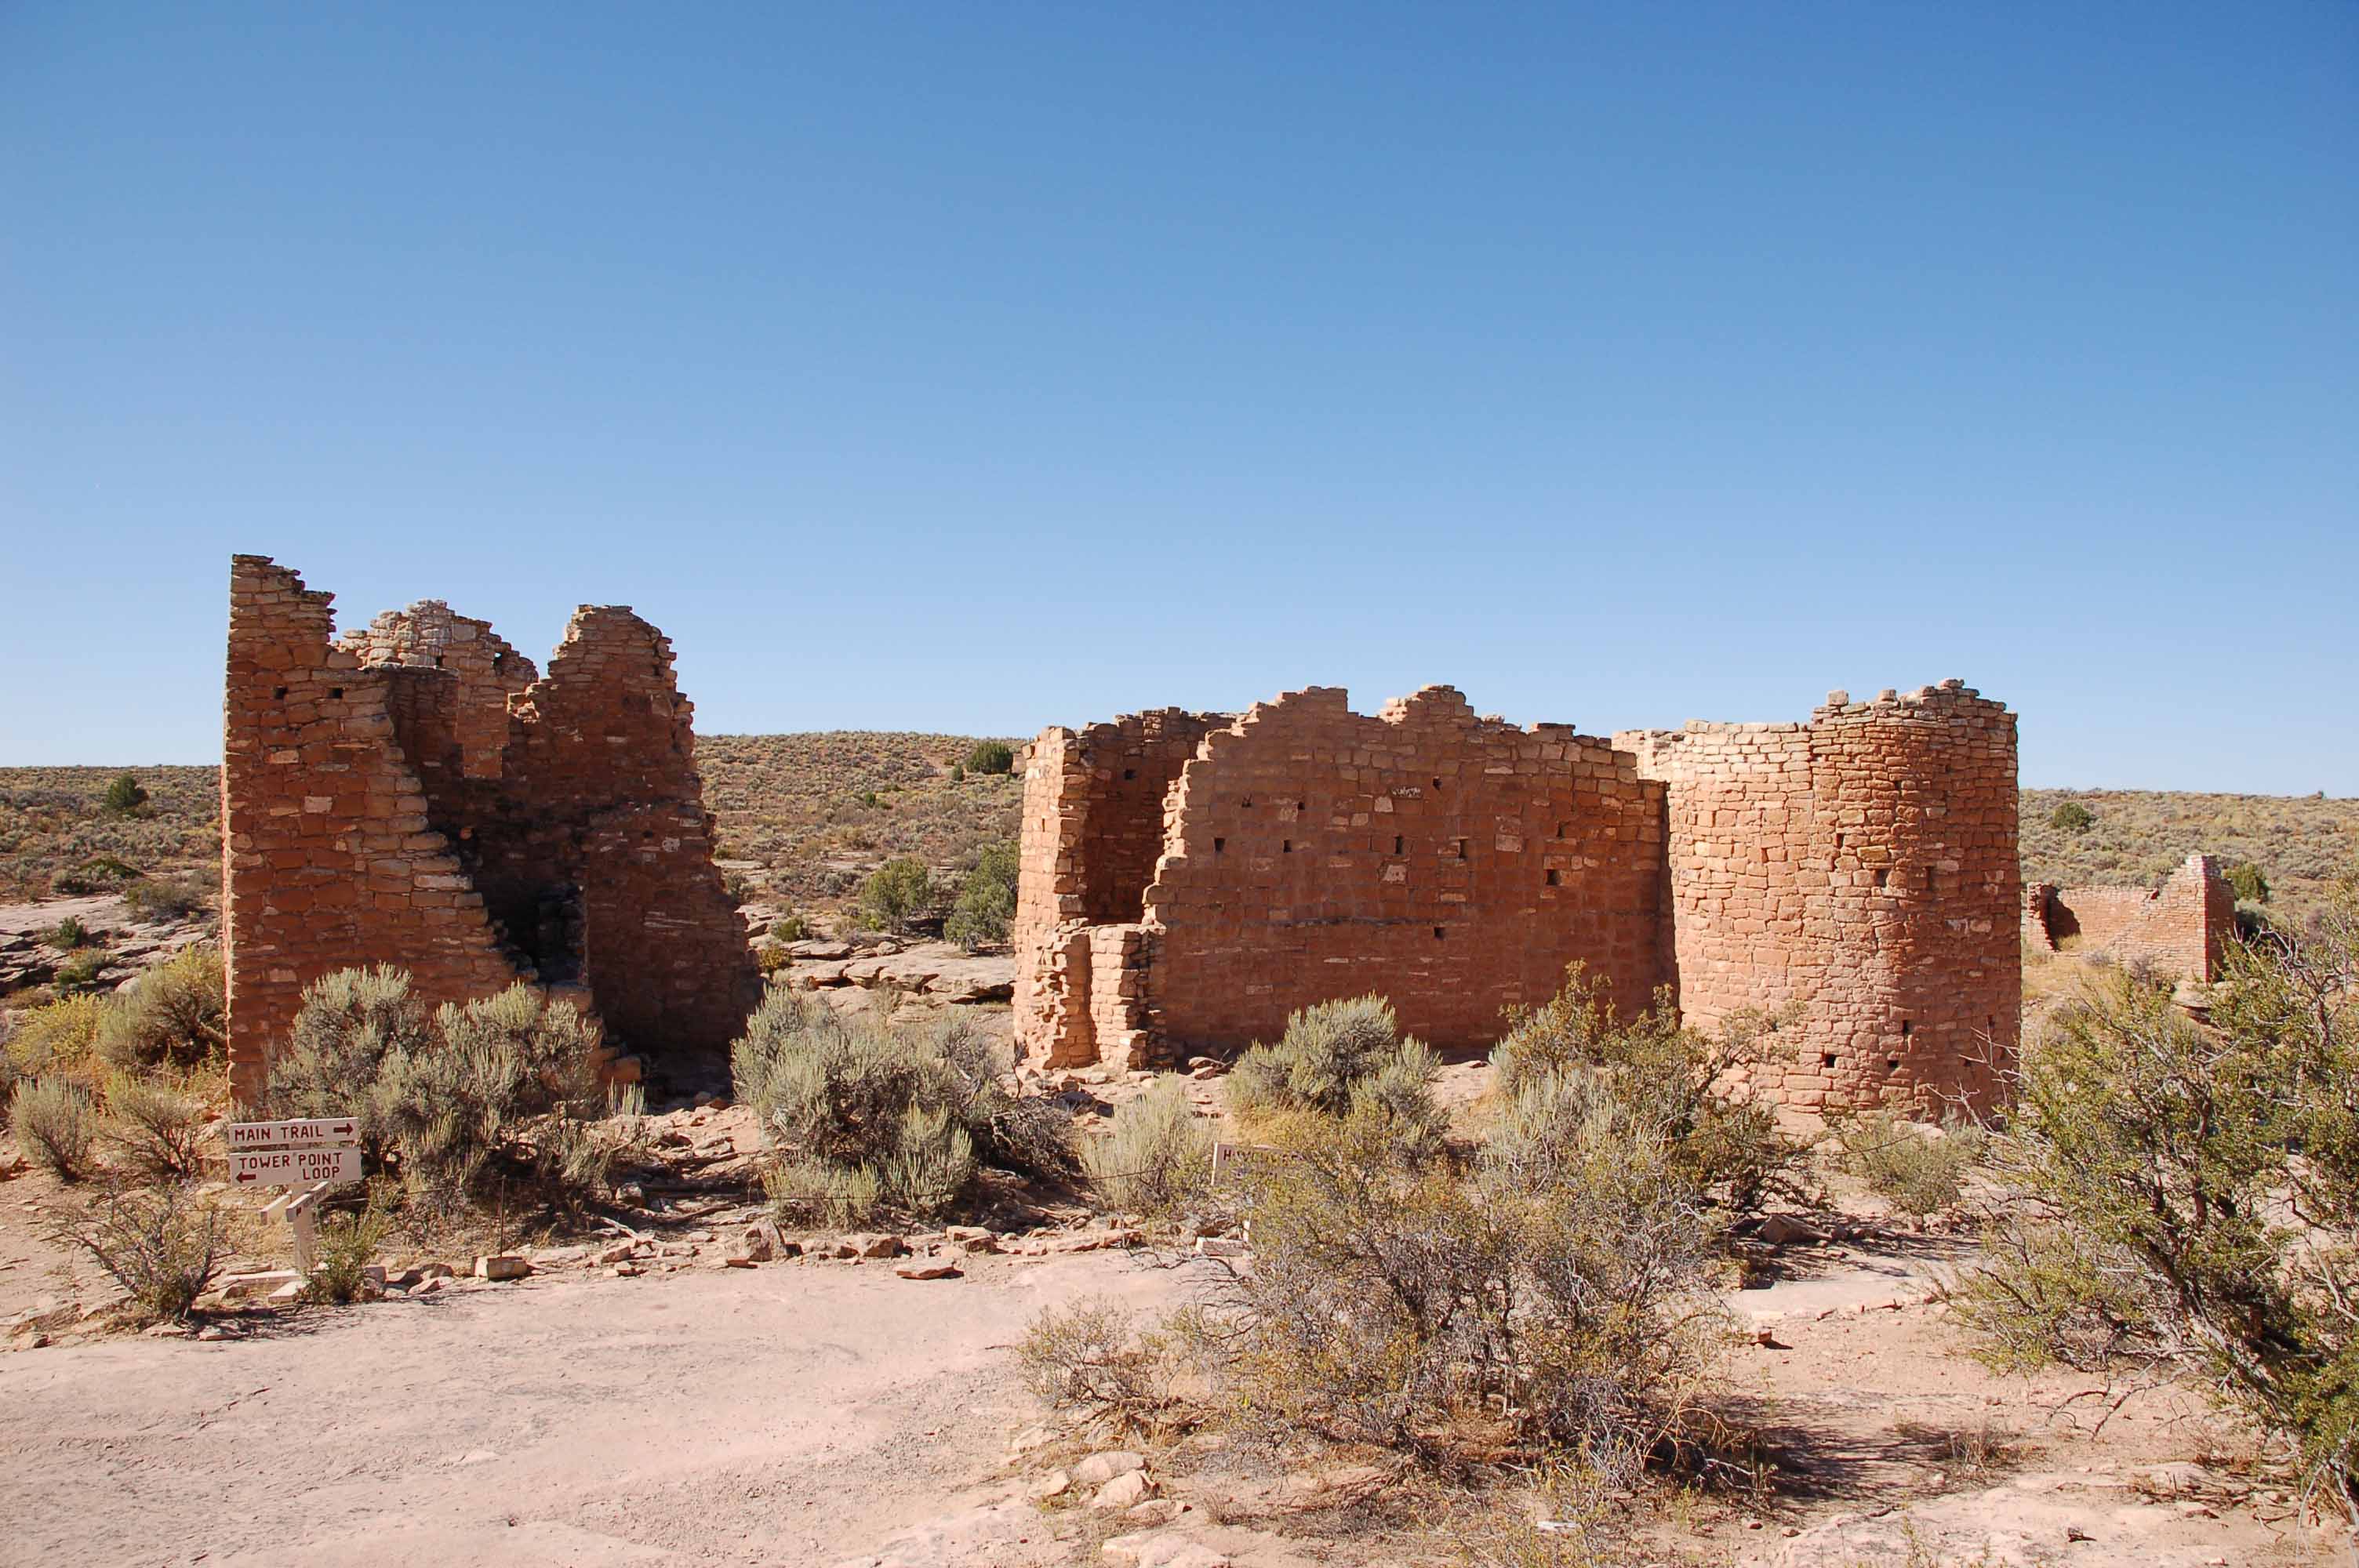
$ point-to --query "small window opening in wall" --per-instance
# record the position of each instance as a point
(1301, 805)
(1437, 934)
(1883, 876)
(1462, 848)
(278, 693)
(335, 694)
(1906, 1027)
(1892, 1064)
(1397, 842)
(1219, 845)
(1246, 805)
(1129, 773)
(1437, 784)
(1564, 830)
(1826, 1058)
(1553, 879)
(1286, 848)
(438, 661)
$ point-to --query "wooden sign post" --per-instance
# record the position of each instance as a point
(318, 1153)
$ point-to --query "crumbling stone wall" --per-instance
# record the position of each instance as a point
(2182, 927)
(1859, 869)
(418, 793)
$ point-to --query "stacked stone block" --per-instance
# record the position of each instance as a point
(416, 795)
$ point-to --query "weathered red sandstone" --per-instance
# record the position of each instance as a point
(417, 794)
(1190, 880)
(2182, 927)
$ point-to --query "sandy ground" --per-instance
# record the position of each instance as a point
(788, 1414)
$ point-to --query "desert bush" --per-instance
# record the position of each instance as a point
(155, 1130)
(124, 797)
(863, 1118)
(986, 901)
(897, 894)
(1671, 1078)
(790, 927)
(991, 757)
(1920, 1170)
(482, 1097)
(1156, 1157)
(167, 898)
(67, 935)
(2071, 816)
(2251, 885)
(60, 1037)
(1091, 1362)
(770, 959)
(163, 1245)
(1560, 1291)
(1338, 1054)
(56, 1126)
(347, 1244)
(81, 972)
(174, 1015)
(2184, 1198)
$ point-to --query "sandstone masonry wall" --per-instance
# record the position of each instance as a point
(1858, 869)
(2182, 927)
(493, 823)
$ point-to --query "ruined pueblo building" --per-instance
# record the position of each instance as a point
(416, 794)
(1189, 879)
(2182, 927)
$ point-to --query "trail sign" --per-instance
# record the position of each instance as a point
(314, 1132)
(293, 1167)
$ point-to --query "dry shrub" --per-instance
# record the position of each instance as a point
(863, 1118)
(60, 1038)
(1554, 1296)
(56, 1126)
(162, 1245)
(156, 1130)
(175, 1015)
(1156, 1157)
(1920, 1171)
(347, 1244)
(1091, 1364)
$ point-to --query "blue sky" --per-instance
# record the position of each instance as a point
(980, 367)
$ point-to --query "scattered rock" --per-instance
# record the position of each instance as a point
(1221, 1247)
(1124, 1490)
(1101, 1468)
(1055, 1484)
(507, 1266)
(926, 1270)
(1162, 1549)
(867, 1245)
(1785, 1230)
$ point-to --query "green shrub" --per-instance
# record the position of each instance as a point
(1334, 1055)
(60, 1037)
(991, 757)
(2250, 886)
(1669, 1078)
(1920, 1170)
(1156, 1157)
(897, 894)
(861, 1118)
(492, 1096)
(124, 797)
(174, 1015)
(56, 1126)
(81, 972)
(790, 928)
(157, 1132)
(347, 1244)
(67, 935)
(162, 1245)
(770, 959)
(167, 898)
(1091, 1361)
(2071, 816)
(986, 900)
(2185, 1198)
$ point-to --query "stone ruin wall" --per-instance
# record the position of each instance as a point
(1862, 866)
(417, 794)
(2182, 927)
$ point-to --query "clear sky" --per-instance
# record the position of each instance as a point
(978, 367)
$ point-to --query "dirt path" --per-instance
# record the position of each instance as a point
(790, 1415)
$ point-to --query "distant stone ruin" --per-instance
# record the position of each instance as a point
(2182, 927)
(1189, 879)
(417, 794)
